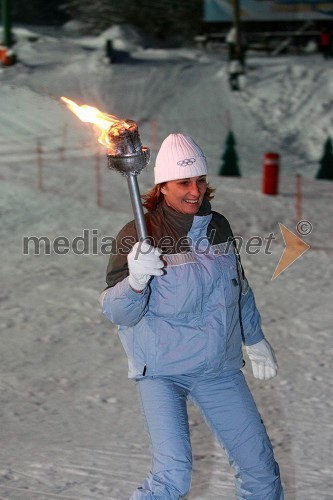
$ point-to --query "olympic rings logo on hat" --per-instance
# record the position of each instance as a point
(186, 162)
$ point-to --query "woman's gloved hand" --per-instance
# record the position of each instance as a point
(263, 360)
(143, 262)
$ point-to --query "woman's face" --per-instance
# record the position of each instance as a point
(185, 195)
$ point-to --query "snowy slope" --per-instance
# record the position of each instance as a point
(285, 105)
(69, 418)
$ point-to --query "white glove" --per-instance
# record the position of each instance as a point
(143, 263)
(264, 364)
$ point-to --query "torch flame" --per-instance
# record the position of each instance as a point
(103, 121)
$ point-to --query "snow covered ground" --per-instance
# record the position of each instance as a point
(70, 426)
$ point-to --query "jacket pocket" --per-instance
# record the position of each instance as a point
(231, 286)
(177, 292)
(229, 275)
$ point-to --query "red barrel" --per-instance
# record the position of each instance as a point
(3, 52)
(7, 56)
(270, 178)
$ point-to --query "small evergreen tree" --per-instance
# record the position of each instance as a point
(229, 165)
(326, 163)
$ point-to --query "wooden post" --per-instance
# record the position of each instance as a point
(64, 141)
(6, 21)
(39, 159)
(298, 198)
(98, 180)
(236, 22)
(228, 119)
(154, 134)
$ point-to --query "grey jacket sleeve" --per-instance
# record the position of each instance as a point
(249, 314)
(250, 317)
(117, 268)
(120, 303)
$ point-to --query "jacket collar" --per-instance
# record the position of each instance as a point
(183, 222)
(178, 226)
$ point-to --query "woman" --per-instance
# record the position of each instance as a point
(184, 308)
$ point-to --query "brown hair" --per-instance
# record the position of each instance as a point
(155, 196)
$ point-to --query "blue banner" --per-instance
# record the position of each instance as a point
(268, 10)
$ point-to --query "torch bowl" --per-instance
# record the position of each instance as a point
(129, 164)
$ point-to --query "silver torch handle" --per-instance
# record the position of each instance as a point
(139, 217)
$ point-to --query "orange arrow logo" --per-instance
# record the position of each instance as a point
(294, 248)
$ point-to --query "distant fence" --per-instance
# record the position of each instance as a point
(59, 170)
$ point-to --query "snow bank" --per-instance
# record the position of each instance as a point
(70, 423)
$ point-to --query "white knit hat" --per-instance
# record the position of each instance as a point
(179, 157)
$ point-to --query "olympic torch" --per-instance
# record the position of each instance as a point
(125, 152)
